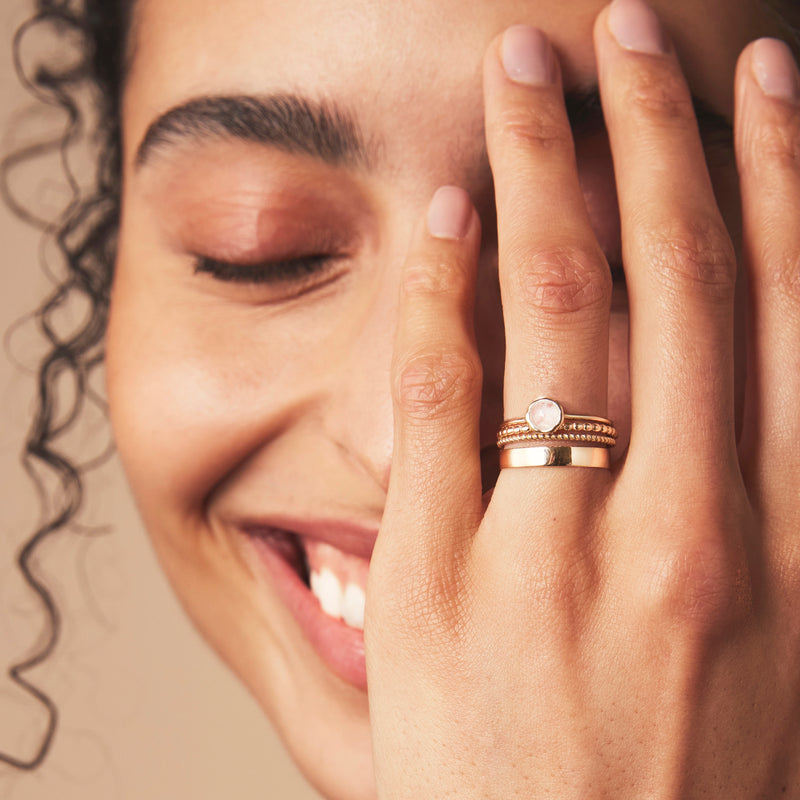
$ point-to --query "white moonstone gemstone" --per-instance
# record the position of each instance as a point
(544, 415)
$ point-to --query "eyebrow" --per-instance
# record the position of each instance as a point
(323, 130)
(288, 122)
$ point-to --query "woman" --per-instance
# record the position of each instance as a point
(314, 336)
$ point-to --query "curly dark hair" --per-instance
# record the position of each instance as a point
(86, 239)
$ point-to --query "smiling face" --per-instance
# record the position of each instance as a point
(277, 157)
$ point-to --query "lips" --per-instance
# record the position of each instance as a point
(319, 569)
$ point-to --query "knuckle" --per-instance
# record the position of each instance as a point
(541, 128)
(558, 580)
(562, 280)
(702, 588)
(780, 277)
(659, 97)
(428, 608)
(692, 255)
(775, 142)
(433, 276)
(783, 560)
(430, 384)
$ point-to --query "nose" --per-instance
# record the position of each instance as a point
(357, 410)
(357, 416)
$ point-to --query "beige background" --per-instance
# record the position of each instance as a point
(146, 710)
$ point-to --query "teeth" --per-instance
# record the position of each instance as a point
(347, 604)
(325, 585)
(353, 606)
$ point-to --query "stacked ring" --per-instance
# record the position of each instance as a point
(555, 457)
(571, 439)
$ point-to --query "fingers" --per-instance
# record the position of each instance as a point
(434, 499)
(555, 284)
(679, 262)
(768, 154)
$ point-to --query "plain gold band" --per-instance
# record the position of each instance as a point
(554, 457)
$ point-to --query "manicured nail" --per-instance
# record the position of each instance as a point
(774, 69)
(527, 56)
(636, 27)
(449, 213)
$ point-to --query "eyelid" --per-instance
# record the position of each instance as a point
(276, 271)
(272, 282)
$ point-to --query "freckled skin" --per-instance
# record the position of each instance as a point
(221, 402)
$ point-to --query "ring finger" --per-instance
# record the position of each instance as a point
(555, 283)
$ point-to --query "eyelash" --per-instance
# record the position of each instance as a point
(293, 270)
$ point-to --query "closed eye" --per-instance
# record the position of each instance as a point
(299, 270)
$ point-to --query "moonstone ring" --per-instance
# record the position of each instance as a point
(546, 421)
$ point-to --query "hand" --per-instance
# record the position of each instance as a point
(622, 633)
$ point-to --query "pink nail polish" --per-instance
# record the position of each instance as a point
(774, 69)
(449, 213)
(636, 27)
(527, 56)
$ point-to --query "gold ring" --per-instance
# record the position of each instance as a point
(545, 420)
(546, 456)
(505, 439)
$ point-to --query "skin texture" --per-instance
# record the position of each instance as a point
(588, 633)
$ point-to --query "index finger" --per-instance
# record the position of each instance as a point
(434, 498)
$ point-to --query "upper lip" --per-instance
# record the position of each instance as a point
(350, 537)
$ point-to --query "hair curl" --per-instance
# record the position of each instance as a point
(86, 239)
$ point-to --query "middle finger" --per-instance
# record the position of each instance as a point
(679, 262)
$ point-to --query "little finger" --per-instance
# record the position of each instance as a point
(768, 154)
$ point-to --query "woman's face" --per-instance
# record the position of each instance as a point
(277, 156)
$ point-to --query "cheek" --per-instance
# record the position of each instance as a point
(165, 412)
(187, 399)
(198, 385)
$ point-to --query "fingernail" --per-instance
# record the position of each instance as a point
(636, 27)
(449, 213)
(527, 56)
(774, 69)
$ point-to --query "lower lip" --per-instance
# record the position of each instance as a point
(339, 646)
